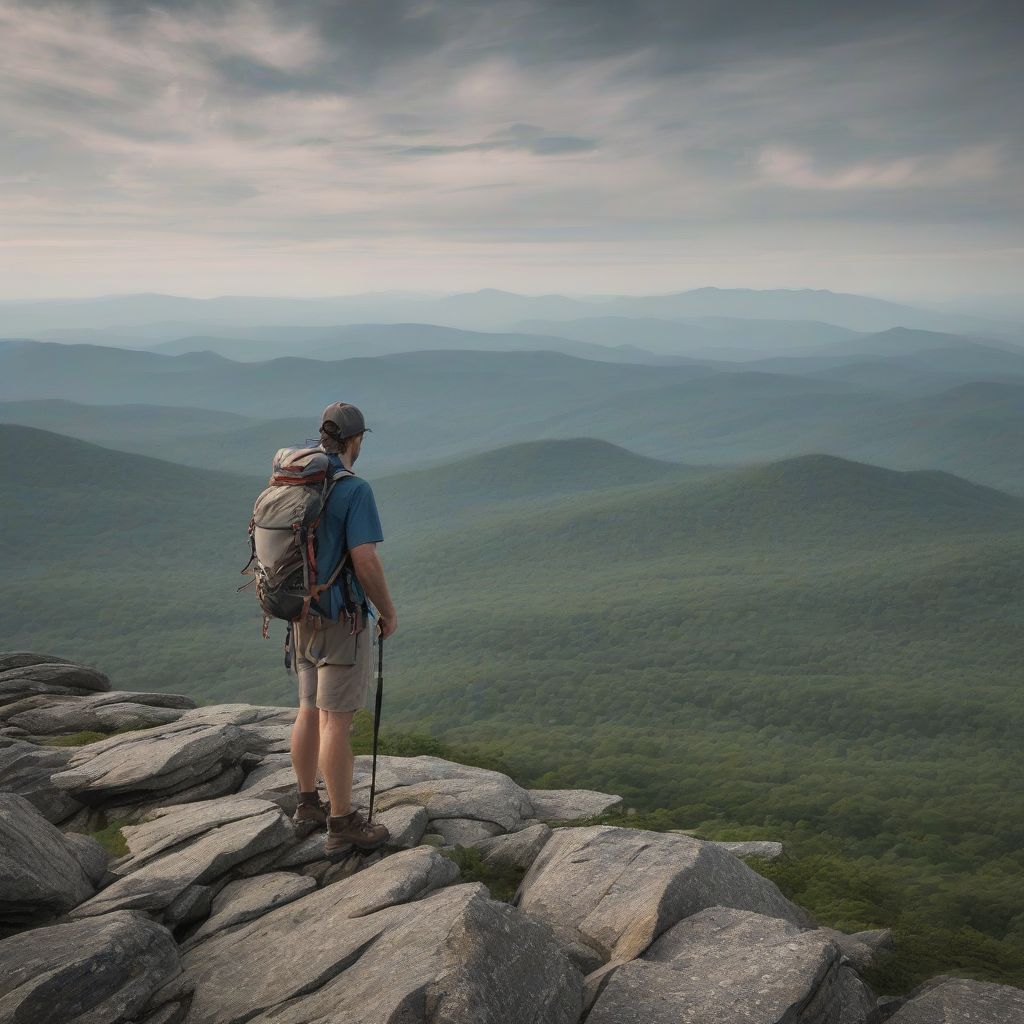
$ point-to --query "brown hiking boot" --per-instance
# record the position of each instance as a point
(309, 816)
(352, 829)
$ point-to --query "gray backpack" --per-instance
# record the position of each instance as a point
(282, 535)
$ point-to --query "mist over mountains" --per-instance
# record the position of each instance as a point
(160, 317)
(713, 390)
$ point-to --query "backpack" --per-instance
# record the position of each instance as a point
(282, 535)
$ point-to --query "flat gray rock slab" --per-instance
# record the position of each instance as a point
(456, 956)
(946, 1000)
(273, 781)
(763, 849)
(383, 945)
(291, 949)
(463, 831)
(190, 905)
(168, 827)
(140, 764)
(102, 712)
(395, 771)
(726, 966)
(571, 804)
(304, 852)
(241, 714)
(405, 823)
(190, 845)
(42, 874)
(38, 700)
(268, 739)
(517, 849)
(266, 731)
(613, 891)
(168, 1014)
(63, 677)
(85, 972)
(249, 898)
(22, 659)
(861, 948)
(223, 784)
(27, 769)
(407, 771)
(493, 798)
(89, 854)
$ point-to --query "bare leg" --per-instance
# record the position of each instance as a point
(305, 747)
(336, 760)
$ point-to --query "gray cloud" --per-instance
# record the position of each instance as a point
(457, 143)
(528, 137)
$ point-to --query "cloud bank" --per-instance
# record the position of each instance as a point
(313, 148)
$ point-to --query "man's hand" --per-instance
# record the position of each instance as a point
(386, 624)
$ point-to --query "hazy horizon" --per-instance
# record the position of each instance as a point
(1004, 306)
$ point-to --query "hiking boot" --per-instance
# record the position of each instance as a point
(352, 829)
(310, 816)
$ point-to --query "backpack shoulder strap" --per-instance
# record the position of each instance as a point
(337, 475)
(332, 480)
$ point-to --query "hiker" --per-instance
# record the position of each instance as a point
(332, 646)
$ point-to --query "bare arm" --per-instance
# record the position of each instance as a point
(370, 573)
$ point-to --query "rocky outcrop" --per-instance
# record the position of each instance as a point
(959, 1001)
(248, 898)
(28, 769)
(518, 850)
(52, 677)
(558, 805)
(719, 959)
(185, 847)
(43, 875)
(475, 794)
(87, 972)
(139, 766)
(104, 712)
(447, 952)
(23, 659)
(219, 912)
(610, 892)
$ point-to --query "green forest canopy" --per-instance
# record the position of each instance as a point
(815, 650)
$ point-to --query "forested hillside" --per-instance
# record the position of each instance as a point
(890, 402)
(815, 650)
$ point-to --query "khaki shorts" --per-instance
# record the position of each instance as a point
(333, 665)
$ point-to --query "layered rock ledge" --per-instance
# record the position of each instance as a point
(214, 911)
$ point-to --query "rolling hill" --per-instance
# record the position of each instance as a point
(815, 650)
(902, 341)
(891, 411)
(356, 340)
(704, 337)
(578, 507)
(408, 384)
(528, 472)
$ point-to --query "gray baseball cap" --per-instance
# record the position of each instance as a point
(346, 418)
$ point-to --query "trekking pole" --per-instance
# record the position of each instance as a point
(378, 701)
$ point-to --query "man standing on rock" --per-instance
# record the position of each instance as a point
(333, 657)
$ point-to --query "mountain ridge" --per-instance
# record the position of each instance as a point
(488, 309)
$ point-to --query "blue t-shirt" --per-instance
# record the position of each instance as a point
(350, 519)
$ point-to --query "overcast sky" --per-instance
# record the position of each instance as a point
(329, 148)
